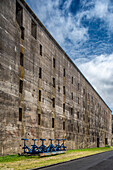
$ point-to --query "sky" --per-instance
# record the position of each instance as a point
(84, 29)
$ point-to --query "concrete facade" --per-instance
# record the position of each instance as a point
(42, 93)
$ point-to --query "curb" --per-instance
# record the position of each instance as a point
(47, 166)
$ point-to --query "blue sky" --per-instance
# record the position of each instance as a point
(84, 29)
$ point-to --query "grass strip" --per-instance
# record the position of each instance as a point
(15, 162)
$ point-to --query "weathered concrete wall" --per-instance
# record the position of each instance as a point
(86, 117)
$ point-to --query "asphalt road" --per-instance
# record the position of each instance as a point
(103, 161)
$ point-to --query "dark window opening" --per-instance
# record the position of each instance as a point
(84, 117)
(71, 111)
(52, 122)
(106, 141)
(40, 95)
(33, 29)
(72, 96)
(72, 80)
(40, 49)
(53, 82)
(98, 142)
(58, 89)
(40, 72)
(83, 91)
(22, 32)
(54, 62)
(63, 125)
(20, 114)
(19, 14)
(21, 59)
(39, 118)
(77, 115)
(83, 131)
(64, 72)
(64, 107)
(21, 86)
(92, 99)
(64, 90)
(53, 102)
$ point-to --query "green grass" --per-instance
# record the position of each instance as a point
(89, 149)
(17, 162)
(13, 158)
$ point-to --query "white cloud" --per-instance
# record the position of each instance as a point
(67, 4)
(63, 25)
(102, 9)
(60, 23)
(99, 71)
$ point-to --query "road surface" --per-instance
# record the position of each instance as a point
(103, 161)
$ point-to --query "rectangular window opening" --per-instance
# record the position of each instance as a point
(19, 14)
(53, 82)
(64, 90)
(72, 80)
(84, 117)
(39, 118)
(40, 95)
(63, 107)
(58, 89)
(20, 114)
(21, 86)
(77, 115)
(83, 131)
(54, 62)
(22, 32)
(52, 122)
(40, 49)
(71, 111)
(72, 96)
(63, 125)
(33, 29)
(106, 141)
(21, 59)
(83, 91)
(40, 72)
(64, 72)
(53, 102)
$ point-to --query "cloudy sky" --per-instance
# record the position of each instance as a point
(84, 29)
